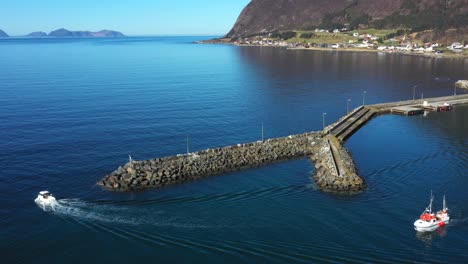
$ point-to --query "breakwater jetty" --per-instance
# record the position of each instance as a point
(181, 168)
(335, 168)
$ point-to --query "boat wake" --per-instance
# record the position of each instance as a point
(94, 213)
(456, 222)
(88, 212)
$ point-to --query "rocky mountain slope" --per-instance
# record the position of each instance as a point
(264, 16)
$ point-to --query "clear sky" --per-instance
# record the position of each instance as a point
(131, 17)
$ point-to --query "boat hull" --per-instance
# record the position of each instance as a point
(46, 204)
(423, 226)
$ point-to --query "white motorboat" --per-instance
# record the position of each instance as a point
(429, 221)
(46, 200)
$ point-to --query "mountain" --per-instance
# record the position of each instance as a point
(266, 16)
(63, 33)
(3, 34)
(37, 34)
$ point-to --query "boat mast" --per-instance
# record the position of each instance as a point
(445, 205)
(430, 204)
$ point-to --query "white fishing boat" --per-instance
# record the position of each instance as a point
(46, 200)
(430, 221)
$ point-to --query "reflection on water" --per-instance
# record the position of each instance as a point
(72, 111)
(428, 237)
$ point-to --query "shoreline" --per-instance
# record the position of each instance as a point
(420, 54)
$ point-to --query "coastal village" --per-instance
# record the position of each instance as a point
(364, 40)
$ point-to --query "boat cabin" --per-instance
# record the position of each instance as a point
(428, 217)
(45, 194)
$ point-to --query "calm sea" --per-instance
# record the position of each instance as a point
(72, 110)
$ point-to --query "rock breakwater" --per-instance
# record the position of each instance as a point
(181, 168)
(335, 168)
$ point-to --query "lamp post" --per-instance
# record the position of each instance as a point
(414, 92)
(323, 120)
(454, 89)
(262, 134)
(347, 106)
(364, 98)
(188, 150)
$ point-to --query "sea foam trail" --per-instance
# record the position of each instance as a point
(102, 214)
(94, 213)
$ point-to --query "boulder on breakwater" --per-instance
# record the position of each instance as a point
(161, 172)
(462, 84)
(335, 168)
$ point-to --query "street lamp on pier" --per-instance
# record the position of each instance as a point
(323, 120)
(364, 98)
(347, 106)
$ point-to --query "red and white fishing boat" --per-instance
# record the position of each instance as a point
(429, 221)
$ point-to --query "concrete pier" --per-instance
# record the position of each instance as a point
(335, 169)
(352, 122)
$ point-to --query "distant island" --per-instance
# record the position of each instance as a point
(38, 34)
(64, 33)
(3, 34)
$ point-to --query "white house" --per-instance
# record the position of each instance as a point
(429, 49)
(355, 34)
(363, 45)
(336, 31)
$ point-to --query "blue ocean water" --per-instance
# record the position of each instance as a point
(72, 110)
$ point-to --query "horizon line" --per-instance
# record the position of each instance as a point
(131, 35)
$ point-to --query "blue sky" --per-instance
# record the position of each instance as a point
(137, 17)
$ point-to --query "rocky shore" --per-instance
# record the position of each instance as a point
(181, 168)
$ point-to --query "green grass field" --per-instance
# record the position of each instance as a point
(344, 37)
